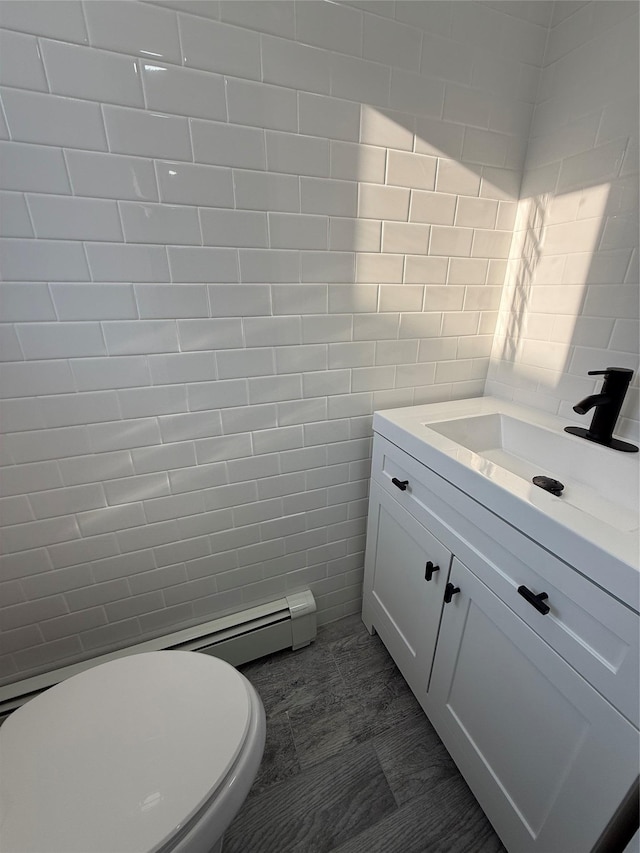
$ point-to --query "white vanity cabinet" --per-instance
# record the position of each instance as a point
(539, 710)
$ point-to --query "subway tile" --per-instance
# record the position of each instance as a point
(140, 337)
(96, 75)
(195, 263)
(94, 301)
(373, 327)
(97, 374)
(21, 61)
(276, 17)
(31, 260)
(181, 367)
(92, 468)
(160, 223)
(491, 244)
(376, 267)
(204, 396)
(350, 161)
(296, 359)
(296, 154)
(328, 266)
(233, 228)
(414, 93)
(386, 128)
(30, 447)
(406, 169)
(228, 144)
(476, 212)
(403, 298)
(271, 331)
(14, 216)
(149, 402)
(246, 418)
(171, 301)
(33, 168)
(355, 234)
(214, 46)
(111, 176)
(347, 298)
(21, 414)
(236, 364)
(70, 218)
(439, 137)
(293, 231)
(330, 26)
(64, 21)
(351, 354)
(335, 198)
(146, 134)
(60, 340)
(360, 80)
(189, 183)
(190, 425)
(269, 265)
(437, 208)
(262, 191)
(123, 435)
(405, 237)
(139, 29)
(450, 241)
(261, 105)
(67, 501)
(120, 262)
(294, 65)
(210, 334)
(485, 147)
(224, 447)
(182, 91)
(329, 118)
(376, 202)
(392, 43)
(453, 177)
(134, 489)
(231, 300)
(149, 459)
(275, 440)
(34, 534)
(26, 302)
(51, 120)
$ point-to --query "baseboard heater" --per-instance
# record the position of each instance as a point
(288, 622)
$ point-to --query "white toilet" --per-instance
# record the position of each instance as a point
(148, 753)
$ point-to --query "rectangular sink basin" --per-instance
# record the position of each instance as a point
(597, 481)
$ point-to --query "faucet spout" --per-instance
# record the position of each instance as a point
(589, 402)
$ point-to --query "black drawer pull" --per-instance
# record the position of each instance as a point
(536, 601)
(401, 484)
(449, 592)
(429, 569)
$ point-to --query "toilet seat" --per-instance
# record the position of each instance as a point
(124, 756)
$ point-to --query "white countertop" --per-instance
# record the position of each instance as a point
(606, 554)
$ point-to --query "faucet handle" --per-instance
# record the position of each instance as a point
(621, 371)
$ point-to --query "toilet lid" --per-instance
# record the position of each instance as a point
(119, 757)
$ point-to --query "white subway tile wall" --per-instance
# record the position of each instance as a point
(232, 231)
(570, 301)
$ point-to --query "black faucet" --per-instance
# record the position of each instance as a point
(607, 406)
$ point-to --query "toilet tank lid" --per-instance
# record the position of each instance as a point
(120, 756)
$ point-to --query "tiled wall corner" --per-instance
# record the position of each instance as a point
(231, 230)
(570, 303)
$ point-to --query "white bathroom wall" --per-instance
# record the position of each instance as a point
(571, 299)
(231, 231)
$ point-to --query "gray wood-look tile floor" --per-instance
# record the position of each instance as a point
(351, 763)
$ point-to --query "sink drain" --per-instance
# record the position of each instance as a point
(549, 484)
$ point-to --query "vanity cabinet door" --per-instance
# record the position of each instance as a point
(406, 573)
(547, 757)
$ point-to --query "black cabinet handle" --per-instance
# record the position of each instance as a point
(429, 569)
(534, 600)
(401, 484)
(449, 592)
